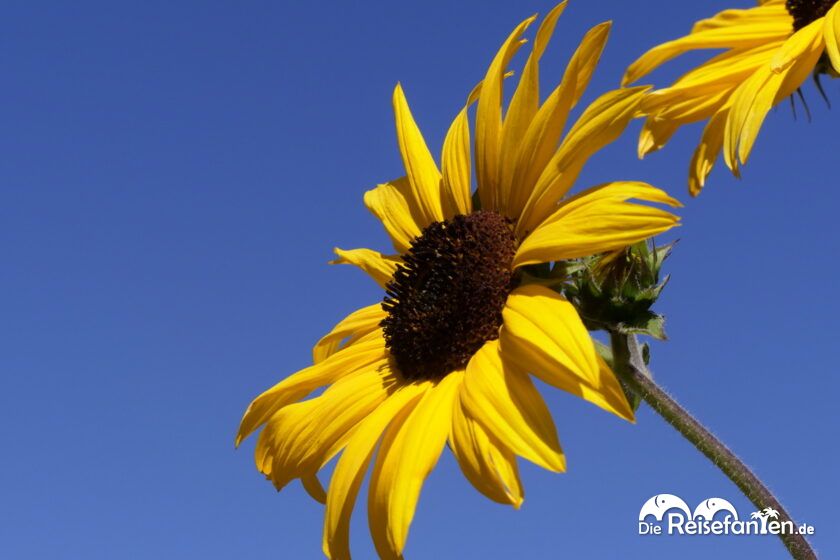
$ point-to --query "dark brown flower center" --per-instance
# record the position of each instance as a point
(445, 301)
(807, 11)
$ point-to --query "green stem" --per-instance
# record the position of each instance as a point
(630, 368)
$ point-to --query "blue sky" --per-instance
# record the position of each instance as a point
(173, 177)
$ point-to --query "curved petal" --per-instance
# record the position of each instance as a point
(506, 403)
(736, 17)
(487, 463)
(524, 104)
(393, 204)
(456, 167)
(488, 121)
(300, 438)
(832, 36)
(314, 488)
(543, 335)
(798, 44)
(378, 266)
(741, 107)
(655, 134)
(750, 28)
(353, 463)
(348, 331)
(601, 123)
(754, 99)
(420, 167)
(597, 221)
(407, 455)
(666, 120)
(729, 67)
(540, 140)
(368, 350)
(707, 152)
(538, 320)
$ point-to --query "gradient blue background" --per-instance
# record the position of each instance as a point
(173, 177)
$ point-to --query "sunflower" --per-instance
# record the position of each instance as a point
(447, 356)
(770, 51)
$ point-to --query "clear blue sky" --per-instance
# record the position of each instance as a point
(173, 177)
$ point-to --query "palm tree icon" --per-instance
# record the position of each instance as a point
(771, 513)
(762, 516)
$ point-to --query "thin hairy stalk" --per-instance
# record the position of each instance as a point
(630, 368)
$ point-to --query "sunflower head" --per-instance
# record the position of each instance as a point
(445, 299)
(449, 355)
(768, 53)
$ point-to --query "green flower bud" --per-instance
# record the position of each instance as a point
(616, 291)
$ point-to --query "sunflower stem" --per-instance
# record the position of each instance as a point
(631, 369)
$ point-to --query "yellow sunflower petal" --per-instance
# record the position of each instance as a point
(348, 331)
(597, 220)
(314, 488)
(506, 403)
(456, 167)
(755, 27)
(402, 220)
(487, 463)
(300, 384)
(832, 36)
(406, 456)
(798, 44)
(687, 109)
(753, 100)
(703, 90)
(737, 17)
(353, 463)
(543, 335)
(525, 102)
(488, 121)
(729, 67)
(539, 321)
(546, 128)
(609, 396)
(742, 104)
(655, 134)
(456, 162)
(378, 266)
(707, 152)
(300, 438)
(659, 128)
(420, 166)
(601, 123)
(801, 69)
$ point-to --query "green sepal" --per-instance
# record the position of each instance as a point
(650, 325)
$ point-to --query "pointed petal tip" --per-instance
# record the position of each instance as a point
(240, 437)
(314, 488)
(603, 28)
(337, 252)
